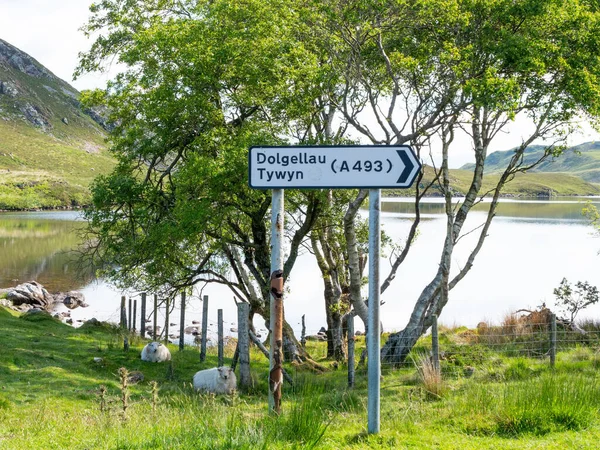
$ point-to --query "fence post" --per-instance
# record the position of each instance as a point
(167, 320)
(204, 328)
(435, 344)
(244, 344)
(154, 335)
(143, 316)
(220, 336)
(553, 340)
(134, 318)
(124, 324)
(303, 335)
(182, 322)
(130, 315)
(350, 325)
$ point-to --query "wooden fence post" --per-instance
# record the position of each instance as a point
(204, 328)
(435, 344)
(553, 341)
(220, 336)
(350, 326)
(167, 320)
(143, 316)
(244, 344)
(124, 324)
(154, 333)
(303, 335)
(134, 318)
(182, 322)
(129, 323)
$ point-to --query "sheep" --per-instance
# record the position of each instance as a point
(219, 380)
(156, 352)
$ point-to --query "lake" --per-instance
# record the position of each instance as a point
(532, 245)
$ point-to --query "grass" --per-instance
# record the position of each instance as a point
(531, 184)
(38, 170)
(50, 398)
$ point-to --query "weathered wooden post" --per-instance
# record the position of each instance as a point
(167, 320)
(134, 318)
(303, 335)
(124, 324)
(350, 325)
(143, 316)
(435, 344)
(220, 337)
(182, 322)
(204, 328)
(130, 315)
(553, 341)
(276, 375)
(244, 344)
(154, 332)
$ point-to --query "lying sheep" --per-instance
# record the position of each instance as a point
(156, 352)
(219, 380)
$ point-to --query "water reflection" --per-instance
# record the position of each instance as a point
(560, 208)
(38, 246)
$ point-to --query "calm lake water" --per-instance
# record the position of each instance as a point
(532, 245)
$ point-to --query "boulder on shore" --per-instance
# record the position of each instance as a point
(30, 293)
(71, 299)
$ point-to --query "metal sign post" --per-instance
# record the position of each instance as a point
(343, 167)
(373, 335)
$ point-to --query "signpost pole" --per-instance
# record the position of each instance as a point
(373, 338)
(276, 306)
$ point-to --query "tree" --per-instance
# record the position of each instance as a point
(464, 66)
(573, 300)
(203, 81)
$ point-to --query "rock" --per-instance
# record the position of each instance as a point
(65, 121)
(359, 333)
(135, 377)
(190, 330)
(9, 89)
(98, 360)
(322, 330)
(195, 322)
(70, 321)
(316, 337)
(30, 293)
(34, 115)
(71, 299)
(233, 330)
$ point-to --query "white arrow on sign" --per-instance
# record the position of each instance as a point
(363, 166)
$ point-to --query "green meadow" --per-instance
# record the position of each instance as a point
(60, 388)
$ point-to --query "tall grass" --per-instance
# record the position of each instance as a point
(430, 376)
(535, 406)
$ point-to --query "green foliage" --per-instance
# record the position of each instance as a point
(573, 300)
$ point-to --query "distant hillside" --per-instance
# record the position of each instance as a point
(50, 148)
(582, 161)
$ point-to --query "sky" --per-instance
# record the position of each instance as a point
(48, 30)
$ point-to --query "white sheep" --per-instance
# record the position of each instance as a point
(219, 380)
(156, 352)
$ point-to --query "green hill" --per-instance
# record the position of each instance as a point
(50, 148)
(582, 161)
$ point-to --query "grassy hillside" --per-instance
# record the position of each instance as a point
(582, 161)
(50, 148)
(51, 398)
(531, 184)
